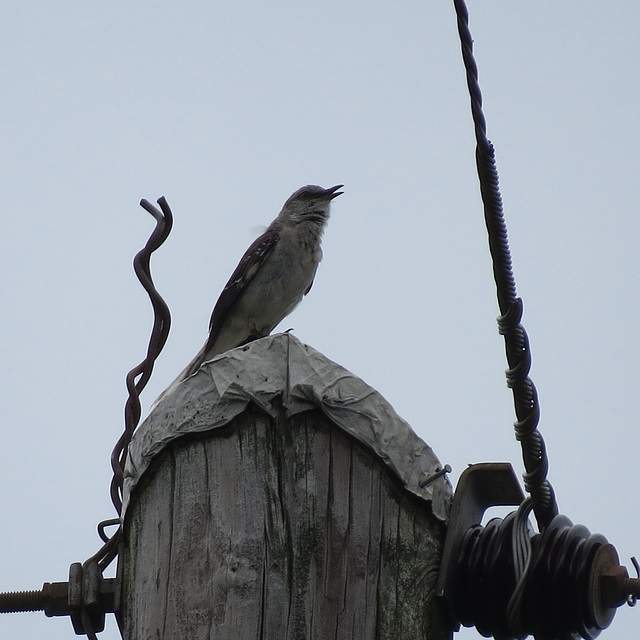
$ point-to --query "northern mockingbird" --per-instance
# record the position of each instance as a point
(272, 277)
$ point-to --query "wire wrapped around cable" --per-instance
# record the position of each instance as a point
(516, 340)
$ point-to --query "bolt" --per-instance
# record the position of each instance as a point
(52, 599)
(631, 588)
(17, 601)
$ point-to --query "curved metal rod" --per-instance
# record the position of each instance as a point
(139, 376)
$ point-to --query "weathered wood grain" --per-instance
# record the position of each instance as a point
(282, 529)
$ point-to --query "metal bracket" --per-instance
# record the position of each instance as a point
(484, 485)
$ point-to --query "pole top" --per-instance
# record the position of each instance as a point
(279, 373)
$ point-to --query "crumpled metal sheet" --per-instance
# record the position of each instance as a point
(281, 366)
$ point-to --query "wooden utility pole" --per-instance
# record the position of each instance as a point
(276, 495)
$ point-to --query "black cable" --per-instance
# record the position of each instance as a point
(516, 341)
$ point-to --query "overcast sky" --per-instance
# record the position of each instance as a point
(227, 108)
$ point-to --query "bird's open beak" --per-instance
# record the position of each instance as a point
(333, 192)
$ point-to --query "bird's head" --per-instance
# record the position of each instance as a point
(311, 204)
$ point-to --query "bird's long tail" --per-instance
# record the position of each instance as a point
(189, 370)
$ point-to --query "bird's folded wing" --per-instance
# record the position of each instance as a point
(249, 265)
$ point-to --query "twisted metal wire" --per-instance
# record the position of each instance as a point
(136, 381)
(516, 341)
(521, 554)
(138, 377)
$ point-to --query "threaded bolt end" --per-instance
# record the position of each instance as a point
(18, 601)
(631, 586)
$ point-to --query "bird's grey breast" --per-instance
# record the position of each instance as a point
(293, 265)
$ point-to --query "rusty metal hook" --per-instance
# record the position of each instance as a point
(632, 598)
